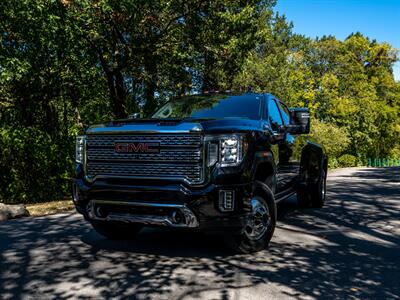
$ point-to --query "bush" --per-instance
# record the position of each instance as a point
(347, 160)
(332, 163)
(33, 166)
(335, 139)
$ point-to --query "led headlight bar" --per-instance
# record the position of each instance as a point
(231, 150)
(226, 150)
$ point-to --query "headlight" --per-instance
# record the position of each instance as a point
(80, 149)
(231, 150)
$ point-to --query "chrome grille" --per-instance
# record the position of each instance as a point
(180, 157)
(167, 155)
(149, 170)
(166, 140)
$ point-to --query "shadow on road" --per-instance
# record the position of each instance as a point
(350, 248)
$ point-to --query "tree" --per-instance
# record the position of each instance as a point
(66, 64)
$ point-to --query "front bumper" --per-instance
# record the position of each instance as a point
(174, 215)
(172, 205)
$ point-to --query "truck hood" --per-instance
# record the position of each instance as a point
(208, 126)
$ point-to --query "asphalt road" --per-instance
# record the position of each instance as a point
(348, 249)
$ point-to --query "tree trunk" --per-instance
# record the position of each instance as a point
(117, 93)
(120, 101)
(208, 82)
(115, 81)
(151, 70)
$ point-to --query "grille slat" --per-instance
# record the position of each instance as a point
(155, 170)
(180, 157)
(165, 140)
(171, 155)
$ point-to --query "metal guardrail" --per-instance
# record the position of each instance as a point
(383, 162)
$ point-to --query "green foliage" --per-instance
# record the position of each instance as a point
(347, 85)
(33, 167)
(335, 139)
(347, 160)
(395, 153)
(66, 64)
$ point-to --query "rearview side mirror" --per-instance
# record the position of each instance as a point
(299, 121)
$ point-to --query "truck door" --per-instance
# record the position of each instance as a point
(276, 124)
(288, 160)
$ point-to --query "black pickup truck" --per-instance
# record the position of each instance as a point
(212, 162)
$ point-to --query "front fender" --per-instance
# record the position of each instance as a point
(313, 161)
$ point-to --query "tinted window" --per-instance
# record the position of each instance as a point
(285, 114)
(274, 116)
(217, 106)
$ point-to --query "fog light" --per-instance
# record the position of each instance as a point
(226, 200)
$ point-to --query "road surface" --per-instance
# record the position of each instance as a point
(348, 249)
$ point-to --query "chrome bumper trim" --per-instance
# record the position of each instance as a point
(189, 220)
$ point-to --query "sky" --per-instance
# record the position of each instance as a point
(377, 19)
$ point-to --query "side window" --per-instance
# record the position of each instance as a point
(274, 116)
(285, 114)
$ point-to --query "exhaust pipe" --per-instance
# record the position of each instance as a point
(100, 212)
(177, 217)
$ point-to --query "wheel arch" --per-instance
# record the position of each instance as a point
(264, 169)
(313, 161)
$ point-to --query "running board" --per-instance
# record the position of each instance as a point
(284, 195)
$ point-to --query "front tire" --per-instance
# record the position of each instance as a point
(259, 224)
(116, 230)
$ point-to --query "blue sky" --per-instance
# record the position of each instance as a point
(377, 19)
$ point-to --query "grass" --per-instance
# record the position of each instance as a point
(49, 208)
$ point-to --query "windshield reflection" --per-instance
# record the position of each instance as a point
(211, 107)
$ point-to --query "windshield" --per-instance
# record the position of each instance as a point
(211, 107)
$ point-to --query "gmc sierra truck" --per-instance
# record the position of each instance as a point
(211, 162)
